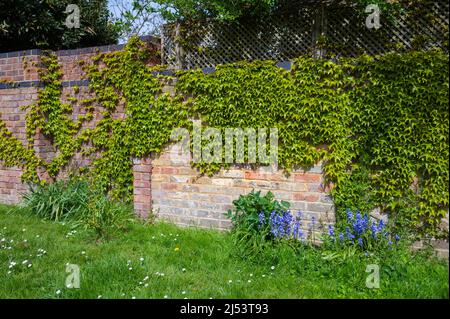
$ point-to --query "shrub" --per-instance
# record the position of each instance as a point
(248, 232)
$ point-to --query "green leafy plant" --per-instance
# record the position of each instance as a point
(249, 234)
(26, 24)
(59, 201)
(78, 202)
(104, 214)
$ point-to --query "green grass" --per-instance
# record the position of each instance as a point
(209, 261)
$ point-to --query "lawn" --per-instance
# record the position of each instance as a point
(165, 261)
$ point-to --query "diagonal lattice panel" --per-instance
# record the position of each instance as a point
(319, 30)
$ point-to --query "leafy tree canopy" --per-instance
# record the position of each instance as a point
(27, 24)
(219, 9)
(233, 9)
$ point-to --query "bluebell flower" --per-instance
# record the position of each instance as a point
(296, 229)
(272, 217)
(330, 230)
(262, 218)
(281, 224)
(373, 229)
(273, 222)
(349, 215)
(380, 226)
(300, 234)
(341, 237)
(397, 237)
(360, 241)
(366, 219)
(358, 225)
(349, 234)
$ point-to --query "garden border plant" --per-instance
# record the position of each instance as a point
(378, 124)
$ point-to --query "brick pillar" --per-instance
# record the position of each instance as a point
(142, 173)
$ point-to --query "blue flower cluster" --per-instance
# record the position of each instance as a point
(360, 229)
(283, 224)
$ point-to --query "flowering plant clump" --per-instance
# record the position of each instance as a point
(361, 231)
(251, 211)
(282, 225)
(259, 221)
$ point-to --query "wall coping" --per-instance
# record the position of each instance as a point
(76, 51)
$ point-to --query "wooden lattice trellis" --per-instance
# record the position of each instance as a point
(315, 30)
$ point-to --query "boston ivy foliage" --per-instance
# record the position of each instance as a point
(123, 78)
(378, 124)
(52, 118)
(13, 153)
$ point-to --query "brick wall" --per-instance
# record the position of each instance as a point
(11, 101)
(169, 189)
(173, 191)
(19, 82)
(142, 175)
(180, 195)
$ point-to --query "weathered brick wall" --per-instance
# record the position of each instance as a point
(19, 82)
(179, 194)
(170, 190)
(11, 101)
(142, 176)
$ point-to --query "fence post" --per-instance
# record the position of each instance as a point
(163, 55)
(319, 28)
(179, 51)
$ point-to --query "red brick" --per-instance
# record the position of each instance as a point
(308, 197)
(142, 199)
(168, 170)
(169, 187)
(255, 175)
(142, 191)
(141, 168)
(141, 184)
(307, 177)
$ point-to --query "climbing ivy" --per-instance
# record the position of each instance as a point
(123, 78)
(378, 124)
(13, 153)
(52, 118)
(401, 103)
